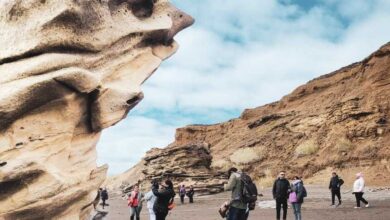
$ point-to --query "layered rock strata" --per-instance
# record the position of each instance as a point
(339, 121)
(68, 70)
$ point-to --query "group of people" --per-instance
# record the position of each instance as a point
(285, 192)
(160, 199)
(102, 194)
(183, 192)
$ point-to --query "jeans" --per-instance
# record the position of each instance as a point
(191, 199)
(297, 210)
(336, 192)
(182, 199)
(237, 214)
(279, 204)
(152, 216)
(135, 211)
(359, 197)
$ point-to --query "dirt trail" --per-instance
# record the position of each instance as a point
(316, 207)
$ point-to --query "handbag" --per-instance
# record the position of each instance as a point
(171, 204)
(224, 209)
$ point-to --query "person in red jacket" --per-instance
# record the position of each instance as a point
(135, 203)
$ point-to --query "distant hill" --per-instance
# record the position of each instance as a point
(339, 121)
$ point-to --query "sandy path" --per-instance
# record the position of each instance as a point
(316, 207)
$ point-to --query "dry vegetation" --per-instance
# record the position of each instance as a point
(308, 147)
(343, 145)
(248, 155)
(222, 164)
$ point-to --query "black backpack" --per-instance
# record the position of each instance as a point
(341, 182)
(249, 191)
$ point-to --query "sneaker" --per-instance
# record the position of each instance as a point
(331, 205)
(357, 207)
(367, 205)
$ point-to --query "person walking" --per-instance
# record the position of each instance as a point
(104, 196)
(135, 202)
(358, 190)
(150, 200)
(335, 187)
(280, 192)
(190, 194)
(182, 193)
(238, 210)
(164, 197)
(296, 196)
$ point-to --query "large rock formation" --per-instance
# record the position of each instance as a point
(338, 121)
(69, 69)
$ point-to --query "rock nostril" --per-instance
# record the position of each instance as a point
(134, 100)
(142, 8)
(3, 163)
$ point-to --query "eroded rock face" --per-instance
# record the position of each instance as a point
(69, 69)
(339, 121)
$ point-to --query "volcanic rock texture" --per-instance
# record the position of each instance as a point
(339, 121)
(69, 69)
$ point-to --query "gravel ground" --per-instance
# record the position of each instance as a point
(316, 207)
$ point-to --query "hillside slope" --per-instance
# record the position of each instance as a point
(339, 121)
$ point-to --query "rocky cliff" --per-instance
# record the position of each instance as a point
(68, 70)
(339, 121)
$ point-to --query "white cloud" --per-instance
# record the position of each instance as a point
(240, 55)
(126, 143)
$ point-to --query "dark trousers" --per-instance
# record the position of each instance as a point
(336, 192)
(191, 199)
(104, 203)
(359, 197)
(237, 214)
(161, 215)
(279, 204)
(135, 212)
(182, 199)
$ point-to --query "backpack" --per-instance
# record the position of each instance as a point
(341, 182)
(249, 191)
(304, 192)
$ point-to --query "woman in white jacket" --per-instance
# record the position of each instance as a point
(358, 190)
(150, 199)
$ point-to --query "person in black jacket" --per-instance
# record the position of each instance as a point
(190, 194)
(104, 196)
(334, 187)
(280, 192)
(164, 196)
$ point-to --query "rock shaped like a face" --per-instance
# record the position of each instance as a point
(107, 48)
(69, 69)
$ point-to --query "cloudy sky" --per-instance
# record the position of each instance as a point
(243, 54)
